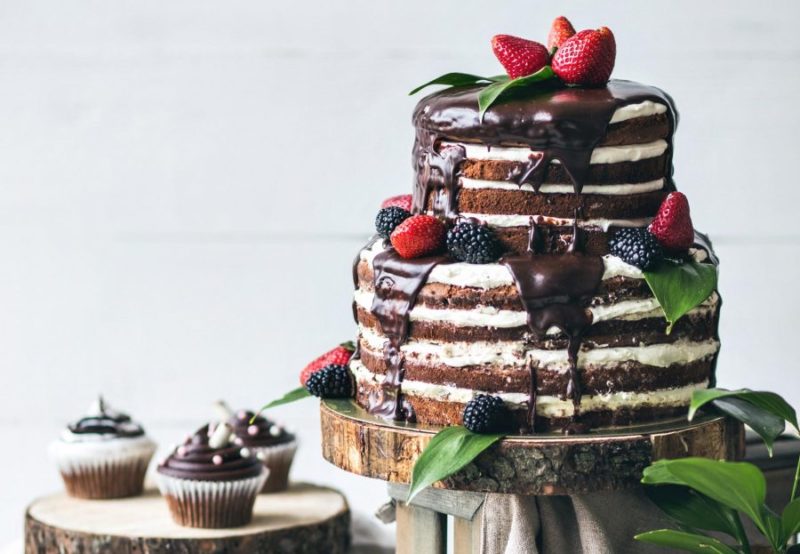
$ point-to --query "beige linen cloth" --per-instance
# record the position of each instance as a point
(596, 523)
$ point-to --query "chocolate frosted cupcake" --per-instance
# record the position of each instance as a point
(103, 455)
(271, 443)
(211, 482)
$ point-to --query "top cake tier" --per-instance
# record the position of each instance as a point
(602, 156)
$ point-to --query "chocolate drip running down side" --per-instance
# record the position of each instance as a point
(397, 284)
(555, 291)
(437, 173)
(557, 123)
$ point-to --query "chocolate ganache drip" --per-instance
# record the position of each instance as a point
(397, 284)
(104, 421)
(197, 459)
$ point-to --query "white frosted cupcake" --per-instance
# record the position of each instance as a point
(271, 443)
(209, 481)
(103, 455)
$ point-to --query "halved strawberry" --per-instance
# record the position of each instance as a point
(338, 356)
(672, 225)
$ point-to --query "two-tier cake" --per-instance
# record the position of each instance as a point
(526, 289)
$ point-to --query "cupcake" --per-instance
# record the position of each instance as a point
(103, 455)
(271, 443)
(211, 482)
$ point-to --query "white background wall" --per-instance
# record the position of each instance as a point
(183, 186)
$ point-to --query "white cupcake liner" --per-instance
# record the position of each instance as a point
(211, 504)
(278, 460)
(100, 469)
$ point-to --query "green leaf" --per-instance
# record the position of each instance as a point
(768, 426)
(679, 287)
(738, 485)
(458, 80)
(790, 519)
(690, 542)
(768, 401)
(450, 450)
(292, 396)
(496, 90)
(692, 509)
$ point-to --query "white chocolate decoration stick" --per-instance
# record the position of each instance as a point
(221, 436)
(222, 410)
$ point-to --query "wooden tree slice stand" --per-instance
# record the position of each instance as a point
(304, 519)
(541, 464)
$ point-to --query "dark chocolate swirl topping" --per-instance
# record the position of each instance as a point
(262, 432)
(196, 459)
(106, 422)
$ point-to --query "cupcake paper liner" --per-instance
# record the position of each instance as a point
(211, 504)
(278, 460)
(103, 470)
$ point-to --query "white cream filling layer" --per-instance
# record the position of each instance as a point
(611, 190)
(489, 316)
(632, 111)
(546, 406)
(463, 354)
(488, 276)
(600, 155)
(516, 220)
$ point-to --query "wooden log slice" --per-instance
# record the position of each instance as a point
(546, 464)
(304, 519)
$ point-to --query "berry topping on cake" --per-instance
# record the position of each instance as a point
(473, 243)
(520, 57)
(401, 201)
(672, 225)
(337, 356)
(587, 58)
(389, 218)
(560, 31)
(332, 381)
(419, 235)
(485, 414)
(636, 246)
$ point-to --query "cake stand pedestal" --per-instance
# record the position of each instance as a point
(541, 464)
(305, 519)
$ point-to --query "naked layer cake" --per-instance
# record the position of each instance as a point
(527, 265)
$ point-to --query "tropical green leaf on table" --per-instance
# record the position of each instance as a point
(680, 287)
(449, 451)
(690, 542)
(692, 509)
(292, 396)
(790, 519)
(767, 401)
(458, 80)
(766, 424)
(493, 92)
(738, 485)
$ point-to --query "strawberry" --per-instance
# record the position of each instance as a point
(518, 56)
(586, 58)
(560, 31)
(418, 235)
(338, 356)
(672, 225)
(401, 201)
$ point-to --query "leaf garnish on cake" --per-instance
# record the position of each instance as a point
(681, 287)
(582, 59)
(449, 451)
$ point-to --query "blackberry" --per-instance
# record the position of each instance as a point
(389, 218)
(637, 247)
(473, 243)
(332, 381)
(485, 414)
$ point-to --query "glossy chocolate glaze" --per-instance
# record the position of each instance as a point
(556, 122)
(195, 459)
(397, 284)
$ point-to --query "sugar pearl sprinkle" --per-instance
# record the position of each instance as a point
(245, 453)
(261, 456)
(242, 415)
(275, 430)
(217, 460)
(252, 430)
(182, 451)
